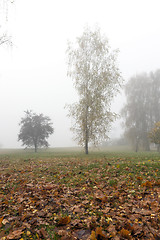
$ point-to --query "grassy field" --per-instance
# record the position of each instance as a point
(64, 194)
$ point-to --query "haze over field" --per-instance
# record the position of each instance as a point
(33, 73)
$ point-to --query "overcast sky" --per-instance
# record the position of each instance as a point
(33, 73)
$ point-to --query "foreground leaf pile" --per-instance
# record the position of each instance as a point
(97, 197)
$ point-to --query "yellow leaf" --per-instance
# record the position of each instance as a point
(28, 233)
(93, 236)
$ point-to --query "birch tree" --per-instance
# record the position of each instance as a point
(93, 67)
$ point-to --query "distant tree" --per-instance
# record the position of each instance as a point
(135, 111)
(35, 129)
(154, 135)
(154, 97)
(142, 108)
(92, 66)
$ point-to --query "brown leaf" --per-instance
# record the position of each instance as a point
(76, 223)
(101, 197)
(20, 210)
(15, 234)
(62, 232)
(49, 186)
(129, 226)
(78, 210)
(1, 219)
(125, 234)
(106, 210)
(147, 184)
(64, 221)
(111, 229)
(139, 178)
(41, 214)
(99, 234)
(157, 183)
(42, 233)
(91, 223)
(82, 234)
(155, 233)
(141, 211)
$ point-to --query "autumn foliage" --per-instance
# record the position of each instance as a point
(154, 134)
(92, 198)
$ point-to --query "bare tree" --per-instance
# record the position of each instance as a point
(4, 39)
(92, 66)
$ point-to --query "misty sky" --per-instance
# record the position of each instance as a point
(33, 73)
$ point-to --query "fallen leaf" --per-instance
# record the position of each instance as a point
(147, 184)
(28, 233)
(15, 234)
(64, 221)
(42, 233)
(5, 221)
(125, 234)
(99, 234)
(93, 236)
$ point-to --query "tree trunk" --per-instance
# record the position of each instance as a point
(86, 132)
(86, 146)
(137, 145)
(35, 147)
(146, 144)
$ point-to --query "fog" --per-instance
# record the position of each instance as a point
(33, 73)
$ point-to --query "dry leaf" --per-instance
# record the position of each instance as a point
(93, 236)
(125, 233)
(42, 233)
(20, 210)
(1, 219)
(15, 234)
(99, 234)
(147, 184)
(4, 221)
(64, 221)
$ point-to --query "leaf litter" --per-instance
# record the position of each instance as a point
(79, 199)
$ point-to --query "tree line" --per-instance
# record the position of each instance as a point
(93, 67)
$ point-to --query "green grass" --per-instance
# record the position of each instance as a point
(74, 167)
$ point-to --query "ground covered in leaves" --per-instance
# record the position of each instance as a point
(100, 196)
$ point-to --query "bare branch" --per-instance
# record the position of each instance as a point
(4, 39)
